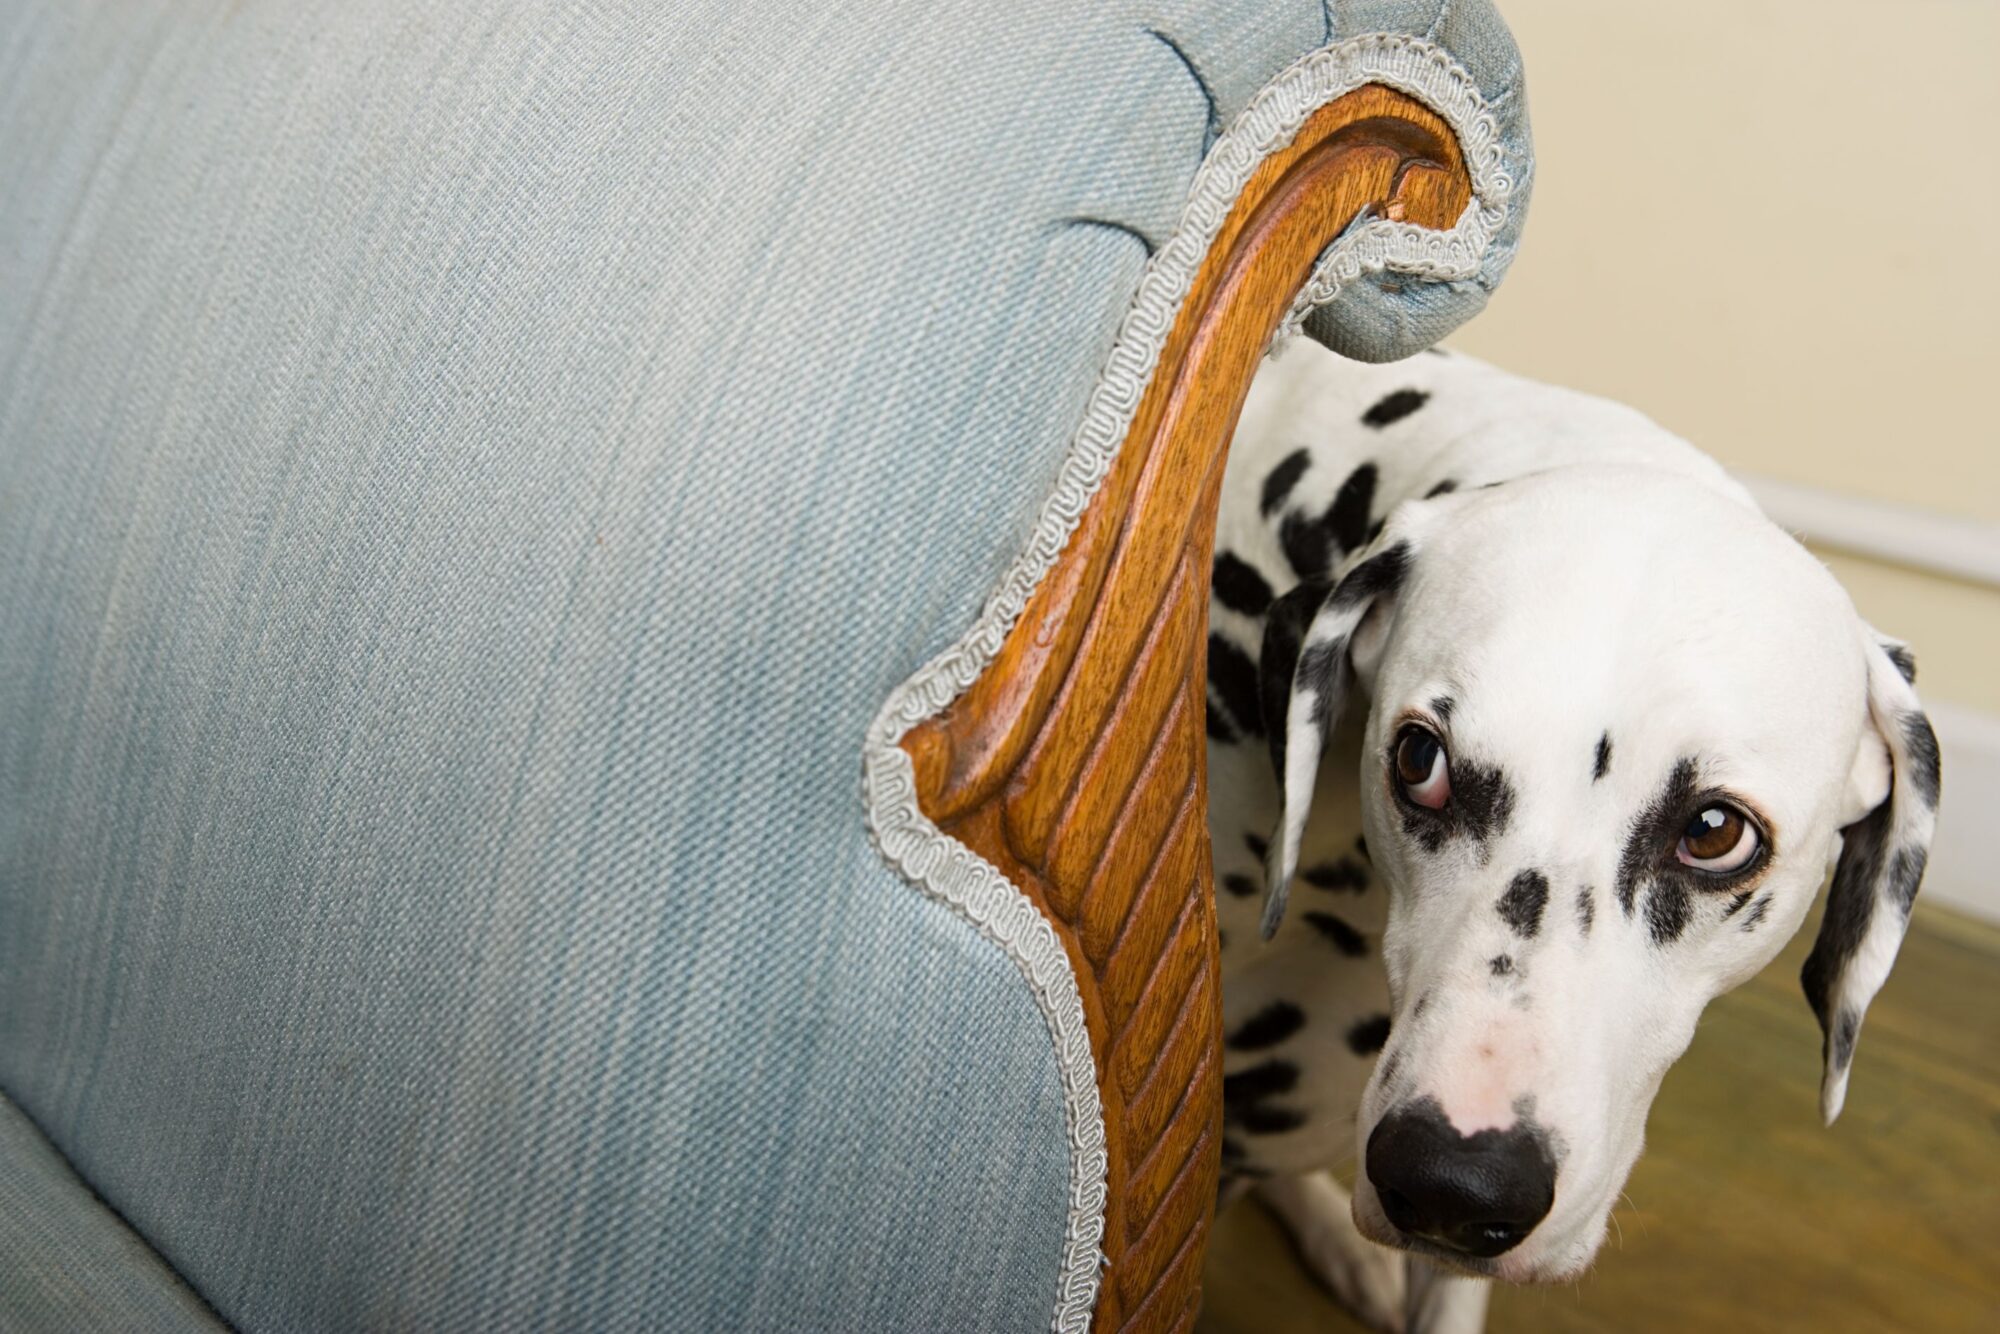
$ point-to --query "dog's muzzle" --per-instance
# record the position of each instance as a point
(1479, 1194)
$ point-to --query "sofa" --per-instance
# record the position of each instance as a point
(601, 653)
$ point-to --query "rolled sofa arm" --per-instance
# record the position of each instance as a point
(1073, 762)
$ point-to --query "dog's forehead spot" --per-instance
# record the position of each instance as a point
(1586, 909)
(1441, 706)
(1602, 764)
(1501, 965)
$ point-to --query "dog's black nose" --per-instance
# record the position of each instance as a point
(1477, 1194)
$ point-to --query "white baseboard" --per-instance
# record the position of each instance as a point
(1945, 544)
(1965, 853)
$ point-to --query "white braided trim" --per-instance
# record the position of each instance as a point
(941, 866)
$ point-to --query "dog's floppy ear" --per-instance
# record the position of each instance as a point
(1882, 857)
(1304, 671)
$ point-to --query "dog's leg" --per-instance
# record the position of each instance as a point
(1367, 1278)
(1444, 1303)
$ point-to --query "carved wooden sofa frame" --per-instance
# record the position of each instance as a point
(1074, 762)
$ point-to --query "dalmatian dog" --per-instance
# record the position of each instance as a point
(1529, 735)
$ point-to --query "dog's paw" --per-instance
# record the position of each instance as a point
(1366, 1279)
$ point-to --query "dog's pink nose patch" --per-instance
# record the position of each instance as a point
(1481, 1081)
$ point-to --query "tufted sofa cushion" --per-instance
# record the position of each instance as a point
(468, 476)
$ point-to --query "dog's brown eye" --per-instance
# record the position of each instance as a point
(1719, 839)
(1421, 767)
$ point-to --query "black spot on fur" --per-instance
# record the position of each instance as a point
(1736, 902)
(1344, 874)
(1586, 909)
(1668, 908)
(1218, 724)
(1850, 903)
(1843, 1038)
(1239, 587)
(1267, 1079)
(1906, 872)
(1361, 844)
(1444, 488)
(1246, 1098)
(1261, 1118)
(1278, 660)
(1394, 408)
(1603, 765)
(1906, 666)
(1501, 964)
(1239, 885)
(1390, 1064)
(1233, 678)
(1347, 518)
(1307, 545)
(1423, 1002)
(1268, 1027)
(1521, 906)
(1278, 483)
(1442, 707)
(1381, 573)
(1319, 669)
(1258, 847)
(1343, 937)
(1654, 832)
(1369, 1036)
(1756, 914)
(1923, 746)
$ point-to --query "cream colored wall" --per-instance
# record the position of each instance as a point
(1772, 225)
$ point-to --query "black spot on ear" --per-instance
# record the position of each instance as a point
(1343, 937)
(1268, 1027)
(1258, 847)
(1501, 964)
(1654, 832)
(1444, 488)
(1923, 746)
(1240, 886)
(1342, 874)
(1394, 408)
(1668, 907)
(1380, 574)
(1278, 661)
(1218, 724)
(1850, 903)
(1318, 666)
(1906, 665)
(1736, 902)
(1278, 483)
(1239, 587)
(1521, 906)
(1906, 872)
(1586, 909)
(1756, 914)
(1603, 765)
(1347, 518)
(1369, 1036)
(1442, 707)
(1843, 1038)
(1233, 678)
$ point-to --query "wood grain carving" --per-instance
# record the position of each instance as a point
(1075, 764)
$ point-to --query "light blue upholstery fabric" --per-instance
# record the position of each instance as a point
(468, 474)
(67, 1262)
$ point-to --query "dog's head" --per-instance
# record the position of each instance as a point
(1617, 726)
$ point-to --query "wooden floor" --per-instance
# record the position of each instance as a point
(1744, 1214)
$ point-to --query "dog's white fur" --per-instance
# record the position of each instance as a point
(1617, 587)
